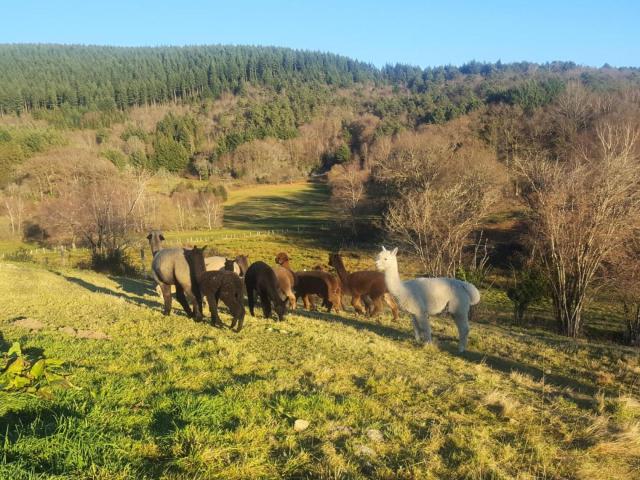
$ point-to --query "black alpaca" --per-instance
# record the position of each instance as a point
(219, 285)
(262, 278)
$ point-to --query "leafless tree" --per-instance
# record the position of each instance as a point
(581, 211)
(625, 282)
(14, 203)
(184, 203)
(211, 206)
(348, 190)
(99, 210)
(436, 223)
(435, 186)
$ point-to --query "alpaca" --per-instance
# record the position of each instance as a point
(262, 278)
(422, 297)
(322, 284)
(362, 285)
(238, 265)
(174, 266)
(221, 285)
(317, 282)
(286, 277)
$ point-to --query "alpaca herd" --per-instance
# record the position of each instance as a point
(216, 278)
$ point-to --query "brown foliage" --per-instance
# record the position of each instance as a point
(438, 185)
(581, 212)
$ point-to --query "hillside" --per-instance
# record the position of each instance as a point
(169, 398)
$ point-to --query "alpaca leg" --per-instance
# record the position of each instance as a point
(166, 295)
(327, 302)
(356, 302)
(197, 304)
(251, 299)
(416, 329)
(308, 304)
(292, 300)
(213, 309)
(462, 323)
(377, 307)
(337, 302)
(237, 324)
(265, 300)
(390, 301)
(368, 304)
(425, 328)
(182, 299)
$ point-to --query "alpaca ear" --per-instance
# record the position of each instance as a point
(384, 249)
(395, 251)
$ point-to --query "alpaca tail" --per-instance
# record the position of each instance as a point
(472, 291)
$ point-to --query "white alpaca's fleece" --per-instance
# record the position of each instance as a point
(436, 295)
(422, 297)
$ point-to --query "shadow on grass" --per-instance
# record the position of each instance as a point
(107, 291)
(39, 422)
(450, 345)
(366, 323)
(135, 286)
(4, 345)
(508, 366)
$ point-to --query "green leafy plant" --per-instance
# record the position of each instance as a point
(528, 286)
(40, 376)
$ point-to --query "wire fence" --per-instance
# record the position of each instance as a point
(69, 255)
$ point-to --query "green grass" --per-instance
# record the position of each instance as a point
(167, 397)
(171, 398)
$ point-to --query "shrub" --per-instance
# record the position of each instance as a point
(116, 157)
(115, 262)
(20, 255)
(101, 136)
(528, 286)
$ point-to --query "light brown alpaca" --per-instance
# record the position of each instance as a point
(286, 278)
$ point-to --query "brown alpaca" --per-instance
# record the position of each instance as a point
(286, 278)
(322, 284)
(362, 284)
(307, 284)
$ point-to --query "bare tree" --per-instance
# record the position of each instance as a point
(625, 280)
(211, 206)
(436, 186)
(184, 202)
(99, 210)
(581, 211)
(436, 223)
(348, 190)
(14, 203)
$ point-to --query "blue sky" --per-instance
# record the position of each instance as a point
(408, 31)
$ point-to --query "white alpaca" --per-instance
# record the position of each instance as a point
(422, 297)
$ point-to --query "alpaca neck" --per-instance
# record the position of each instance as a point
(342, 272)
(393, 282)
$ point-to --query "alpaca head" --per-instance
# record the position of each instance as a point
(243, 263)
(155, 238)
(282, 258)
(195, 258)
(386, 259)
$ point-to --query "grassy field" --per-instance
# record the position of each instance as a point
(170, 398)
